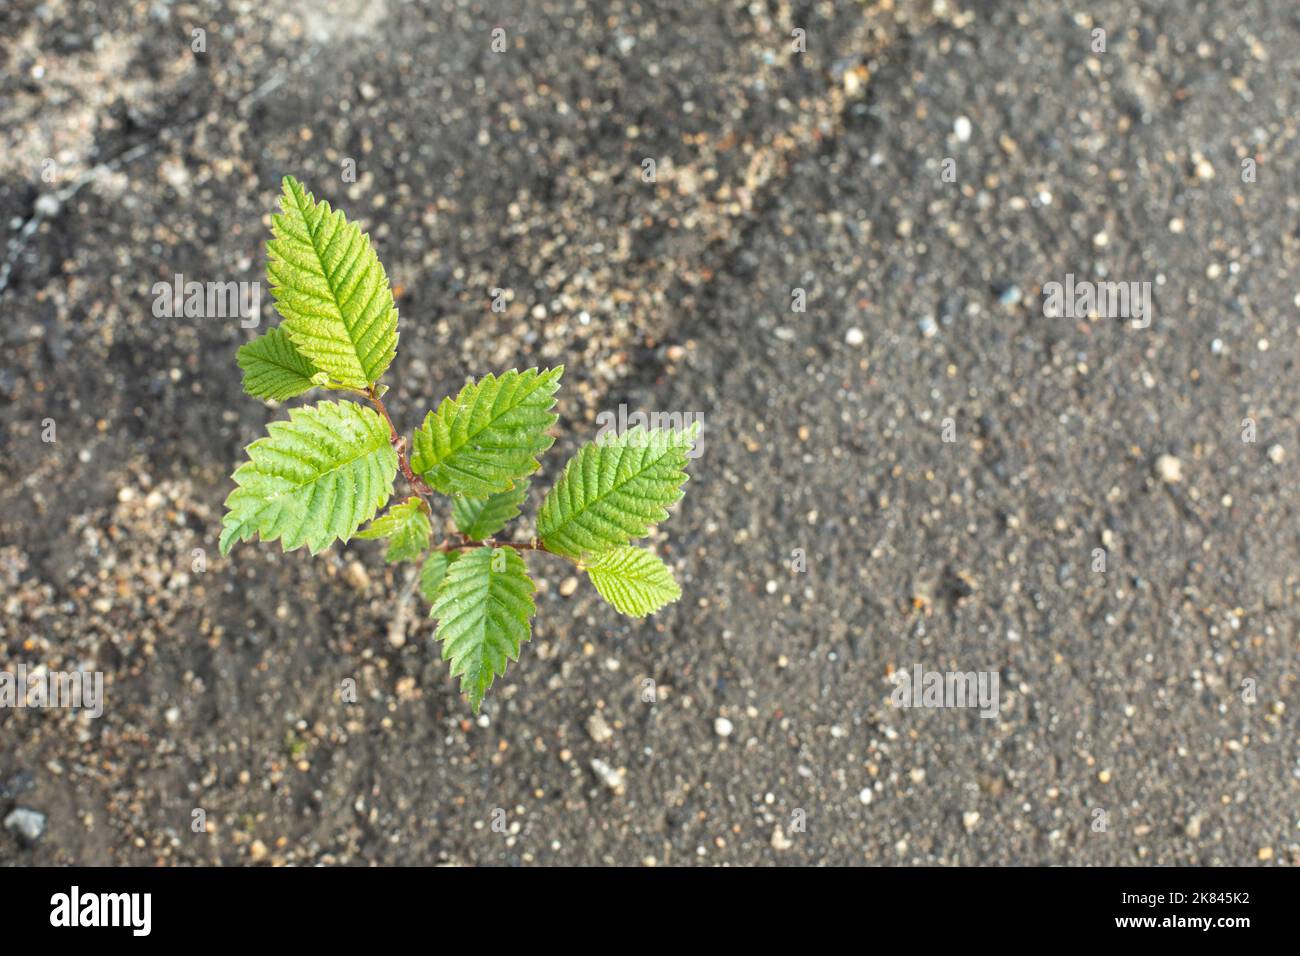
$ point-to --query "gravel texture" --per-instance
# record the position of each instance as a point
(770, 737)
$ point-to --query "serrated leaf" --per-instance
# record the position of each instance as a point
(274, 368)
(434, 571)
(479, 518)
(313, 479)
(483, 608)
(613, 490)
(407, 527)
(490, 435)
(331, 289)
(635, 581)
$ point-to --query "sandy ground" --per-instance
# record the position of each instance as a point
(1125, 732)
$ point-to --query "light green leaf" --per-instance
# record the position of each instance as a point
(479, 518)
(274, 368)
(483, 608)
(635, 581)
(407, 527)
(331, 289)
(434, 571)
(489, 436)
(313, 479)
(613, 490)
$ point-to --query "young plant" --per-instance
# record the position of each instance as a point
(316, 478)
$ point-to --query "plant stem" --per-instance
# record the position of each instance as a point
(417, 483)
(421, 487)
(467, 545)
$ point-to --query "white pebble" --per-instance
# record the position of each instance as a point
(723, 727)
(1169, 469)
(854, 336)
(865, 795)
(962, 129)
(598, 728)
(611, 778)
(779, 839)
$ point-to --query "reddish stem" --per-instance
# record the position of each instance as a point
(421, 487)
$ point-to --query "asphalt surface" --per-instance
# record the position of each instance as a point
(1125, 732)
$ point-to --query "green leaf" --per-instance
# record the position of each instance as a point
(331, 289)
(614, 489)
(407, 527)
(434, 571)
(274, 368)
(635, 581)
(313, 479)
(479, 518)
(490, 435)
(483, 607)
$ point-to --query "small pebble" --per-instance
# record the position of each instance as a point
(568, 586)
(961, 128)
(779, 839)
(723, 727)
(611, 778)
(27, 825)
(865, 796)
(47, 205)
(598, 728)
(356, 576)
(970, 819)
(1169, 469)
(854, 336)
